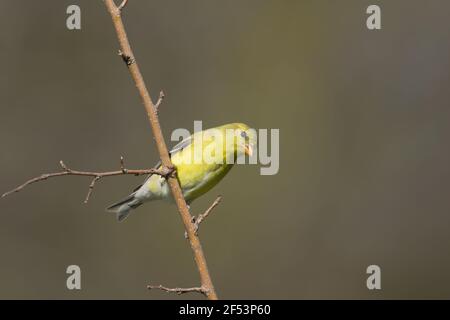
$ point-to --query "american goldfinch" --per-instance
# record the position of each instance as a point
(201, 161)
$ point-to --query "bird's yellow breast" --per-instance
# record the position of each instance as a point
(196, 172)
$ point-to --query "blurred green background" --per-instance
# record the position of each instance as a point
(364, 166)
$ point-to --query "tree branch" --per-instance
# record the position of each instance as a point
(199, 219)
(178, 290)
(128, 56)
(204, 215)
(66, 171)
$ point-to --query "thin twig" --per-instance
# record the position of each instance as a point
(91, 188)
(160, 99)
(178, 290)
(122, 5)
(66, 171)
(122, 165)
(199, 219)
(204, 215)
(128, 56)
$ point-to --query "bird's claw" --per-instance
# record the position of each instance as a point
(168, 171)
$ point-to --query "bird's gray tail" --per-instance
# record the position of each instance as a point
(124, 207)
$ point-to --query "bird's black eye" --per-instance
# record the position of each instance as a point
(243, 134)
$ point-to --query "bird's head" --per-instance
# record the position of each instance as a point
(245, 139)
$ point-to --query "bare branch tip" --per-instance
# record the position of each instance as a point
(160, 99)
(196, 221)
(178, 291)
(63, 166)
(122, 5)
(91, 188)
(122, 165)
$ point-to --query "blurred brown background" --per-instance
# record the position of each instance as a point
(364, 125)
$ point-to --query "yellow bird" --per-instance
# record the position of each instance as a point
(201, 161)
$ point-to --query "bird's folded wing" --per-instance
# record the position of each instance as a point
(177, 148)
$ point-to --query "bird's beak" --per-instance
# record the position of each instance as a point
(248, 150)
